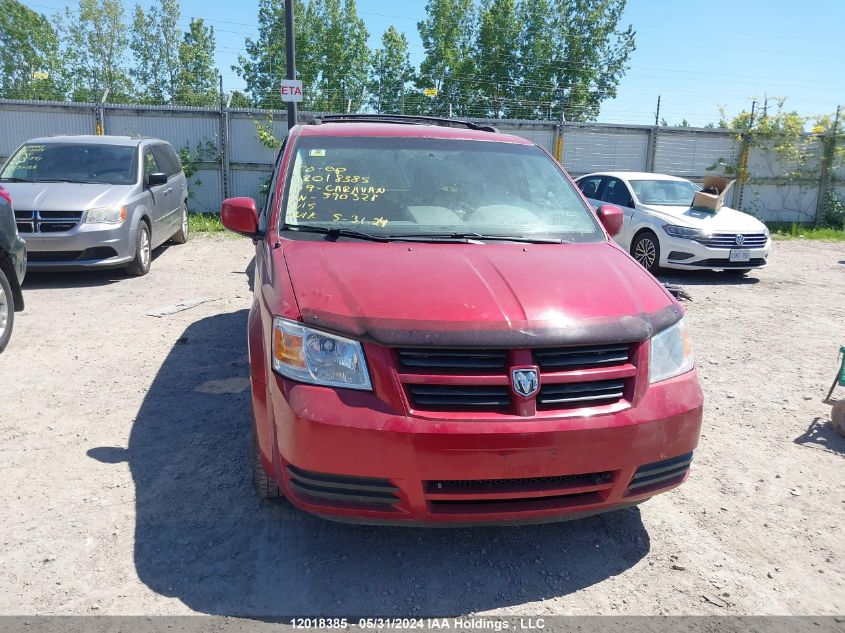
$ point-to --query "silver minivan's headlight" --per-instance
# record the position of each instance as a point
(106, 215)
(671, 353)
(319, 358)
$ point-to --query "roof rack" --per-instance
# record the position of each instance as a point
(401, 119)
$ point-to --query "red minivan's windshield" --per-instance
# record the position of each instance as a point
(389, 186)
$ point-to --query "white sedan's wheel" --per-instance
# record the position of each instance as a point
(646, 250)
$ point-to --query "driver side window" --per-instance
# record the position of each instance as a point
(616, 192)
(150, 164)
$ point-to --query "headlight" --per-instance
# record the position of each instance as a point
(766, 232)
(683, 231)
(307, 355)
(671, 353)
(106, 215)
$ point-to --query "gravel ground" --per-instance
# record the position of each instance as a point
(126, 491)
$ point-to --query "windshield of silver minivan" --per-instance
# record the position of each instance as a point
(418, 187)
(72, 162)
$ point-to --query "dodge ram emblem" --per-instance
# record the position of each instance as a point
(525, 382)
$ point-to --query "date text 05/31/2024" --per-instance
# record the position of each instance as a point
(457, 624)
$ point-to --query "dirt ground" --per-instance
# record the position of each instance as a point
(125, 487)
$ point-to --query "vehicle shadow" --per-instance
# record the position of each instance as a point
(45, 280)
(706, 278)
(821, 434)
(203, 537)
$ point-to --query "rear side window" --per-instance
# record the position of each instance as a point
(166, 159)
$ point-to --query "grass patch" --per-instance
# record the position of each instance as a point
(783, 231)
(205, 223)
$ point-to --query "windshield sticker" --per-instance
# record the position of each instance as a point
(317, 153)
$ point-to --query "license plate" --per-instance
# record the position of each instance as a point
(740, 256)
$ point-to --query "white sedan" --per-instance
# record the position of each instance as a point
(662, 230)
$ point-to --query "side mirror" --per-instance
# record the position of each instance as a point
(240, 215)
(156, 179)
(611, 218)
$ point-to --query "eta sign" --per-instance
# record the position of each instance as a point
(291, 90)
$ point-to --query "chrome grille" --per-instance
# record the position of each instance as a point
(46, 221)
(728, 240)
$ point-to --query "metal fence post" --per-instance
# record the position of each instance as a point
(224, 142)
(826, 168)
(651, 149)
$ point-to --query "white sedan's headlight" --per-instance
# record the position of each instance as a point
(671, 353)
(684, 231)
(307, 355)
(106, 215)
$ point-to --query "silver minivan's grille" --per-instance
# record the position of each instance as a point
(730, 240)
(46, 221)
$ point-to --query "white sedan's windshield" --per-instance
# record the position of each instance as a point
(679, 193)
(424, 186)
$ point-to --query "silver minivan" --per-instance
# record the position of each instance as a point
(90, 202)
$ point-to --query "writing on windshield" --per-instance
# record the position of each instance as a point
(427, 185)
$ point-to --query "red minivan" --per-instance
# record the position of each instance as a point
(444, 333)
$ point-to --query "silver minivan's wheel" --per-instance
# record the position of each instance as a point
(7, 311)
(143, 252)
(181, 236)
(646, 250)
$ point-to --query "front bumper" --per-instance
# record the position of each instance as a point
(697, 256)
(86, 246)
(403, 469)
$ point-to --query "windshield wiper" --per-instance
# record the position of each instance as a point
(333, 232)
(437, 237)
(15, 180)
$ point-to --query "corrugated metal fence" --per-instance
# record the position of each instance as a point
(231, 161)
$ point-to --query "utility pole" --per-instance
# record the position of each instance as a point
(290, 53)
(657, 113)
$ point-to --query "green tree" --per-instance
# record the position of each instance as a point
(155, 47)
(497, 66)
(28, 44)
(264, 65)
(536, 46)
(390, 73)
(342, 40)
(93, 42)
(197, 81)
(447, 34)
(590, 54)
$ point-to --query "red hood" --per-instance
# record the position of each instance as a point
(477, 294)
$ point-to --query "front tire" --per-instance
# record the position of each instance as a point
(143, 252)
(646, 250)
(264, 485)
(7, 311)
(181, 236)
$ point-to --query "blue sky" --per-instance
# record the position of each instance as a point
(696, 55)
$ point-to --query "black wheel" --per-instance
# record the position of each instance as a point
(7, 311)
(265, 487)
(737, 272)
(646, 250)
(181, 236)
(143, 252)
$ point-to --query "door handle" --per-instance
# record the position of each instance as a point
(169, 190)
